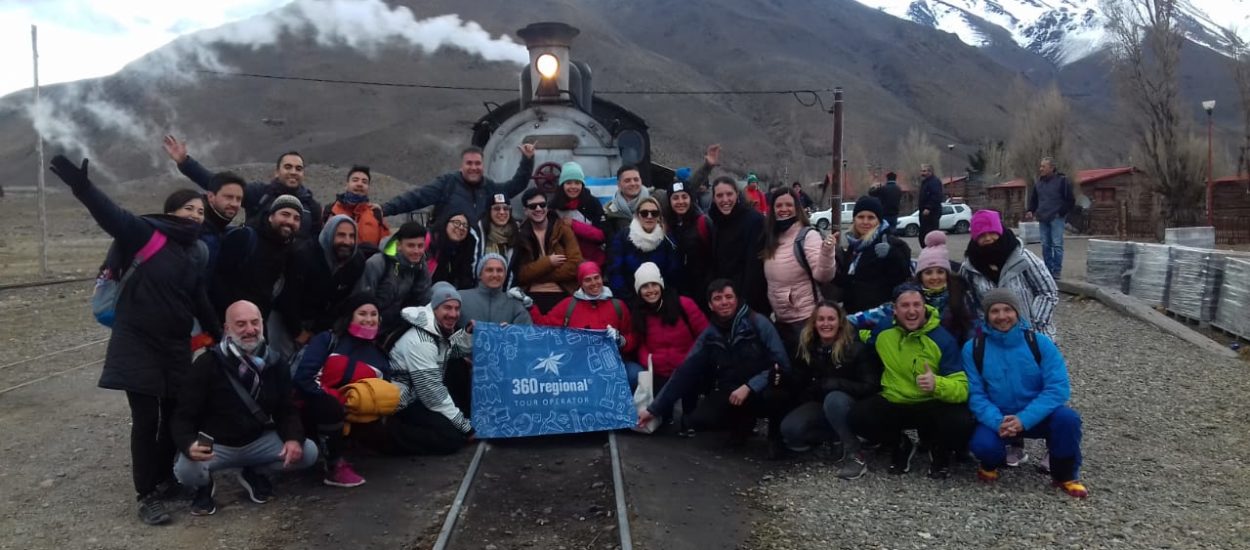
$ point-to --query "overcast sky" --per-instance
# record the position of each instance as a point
(90, 38)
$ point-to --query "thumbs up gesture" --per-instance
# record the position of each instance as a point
(927, 380)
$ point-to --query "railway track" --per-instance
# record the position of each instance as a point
(545, 492)
(36, 284)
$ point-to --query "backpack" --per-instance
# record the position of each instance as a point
(801, 255)
(978, 348)
(112, 279)
(568, 315)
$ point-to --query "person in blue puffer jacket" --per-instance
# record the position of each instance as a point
(1018, 387)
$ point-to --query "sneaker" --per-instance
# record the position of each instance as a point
(152, 510)
(258, 487)
(1074, 488)
(987, 476)
(939, 465)
(900, 461)
(853, 466)
(202, 504)
(1016, 455)
(342, 475)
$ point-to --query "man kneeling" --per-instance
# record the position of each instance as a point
(1018, 386)
(235, 411)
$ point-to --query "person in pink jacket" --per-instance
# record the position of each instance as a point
(796, 261)
(666, 326)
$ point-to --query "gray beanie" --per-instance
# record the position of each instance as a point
(481, 264)
(1000, 296)
(286, 201)
(442, 291)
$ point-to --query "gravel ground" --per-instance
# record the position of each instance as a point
(1165, 446)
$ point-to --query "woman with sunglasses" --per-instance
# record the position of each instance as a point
(643, 241)
(454, 253)
(583, 212)
(546, 254)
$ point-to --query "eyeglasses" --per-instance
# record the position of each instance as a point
(458, 224)
(649, 213)
(536, 206)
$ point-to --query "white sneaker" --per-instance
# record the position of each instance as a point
(1016, 455)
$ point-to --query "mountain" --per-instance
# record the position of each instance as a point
(1062, 31)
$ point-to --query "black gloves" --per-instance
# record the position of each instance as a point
(73, 176)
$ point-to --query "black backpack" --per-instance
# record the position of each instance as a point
(978, 348)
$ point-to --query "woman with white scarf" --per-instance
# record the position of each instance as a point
(645, 240)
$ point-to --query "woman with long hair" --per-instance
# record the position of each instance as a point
(496, 234)
(644, 241)
(454, 253)
(666, 326)
(582, 211)
(737, 232)
(546, 254)
(689, 230)
(796, 260)
(874, 261)
(832, 369)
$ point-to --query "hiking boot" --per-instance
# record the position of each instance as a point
(939, 465)
(1016, 455)
(987, 476)
(341, 474)
(258, 487)
(152, 510)
(202, 504)
(900, 461)
(1074, 488)
(853, 466)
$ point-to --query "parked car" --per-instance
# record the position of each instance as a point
(956, 218)
(823, 219)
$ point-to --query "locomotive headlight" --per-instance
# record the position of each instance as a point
(548, 65)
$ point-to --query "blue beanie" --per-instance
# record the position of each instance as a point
(572, 171)
(683, 173)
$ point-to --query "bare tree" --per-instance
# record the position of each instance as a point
(1039, 130)
(1146, 44)
(915, 149)
(1241, 73)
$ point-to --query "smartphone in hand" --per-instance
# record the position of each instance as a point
(204, 440)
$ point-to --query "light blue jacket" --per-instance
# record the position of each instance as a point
(1011, 380)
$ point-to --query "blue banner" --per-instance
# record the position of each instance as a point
(531, 380)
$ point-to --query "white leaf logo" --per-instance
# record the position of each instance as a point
(550, 363)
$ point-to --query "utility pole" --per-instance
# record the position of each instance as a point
(835, 176)
(43, 208)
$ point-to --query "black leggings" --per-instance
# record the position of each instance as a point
(324, 413)
(716, 413)
(151, 444)
(416, 430)
(946, 426)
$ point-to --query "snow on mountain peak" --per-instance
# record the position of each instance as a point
(1063, 31)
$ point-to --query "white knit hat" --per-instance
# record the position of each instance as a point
(648, 272)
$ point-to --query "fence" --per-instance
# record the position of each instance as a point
(1126, 225)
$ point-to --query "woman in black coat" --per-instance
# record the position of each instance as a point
(149, 351)
(874, 262)
(690, 230)
(454, 254)
(737, 244)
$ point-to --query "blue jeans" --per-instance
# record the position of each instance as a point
(1052, 245)
(1061, 430)
(261, 454)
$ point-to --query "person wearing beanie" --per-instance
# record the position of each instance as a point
(995, 258)
(288, 179)
(354, 202)
(929, 201)
(619, 212)
(797, 260)
(496, 234)
(890, 196)
(433, 415)
(646, 240)
(593, 307)
(468, 190)
(488, 302)
(397, 276)
(574, 204)
(754, 196)
(688, 228)
(666, 326)
(546, 256)
(347, 353)
(923, 387)
(1018, 387)
(873, 262)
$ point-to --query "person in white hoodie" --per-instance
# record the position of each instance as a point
(429, 420)
(796, 261)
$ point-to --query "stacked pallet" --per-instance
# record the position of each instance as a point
(1233, 312)
(1109, 263)
(1149, 278)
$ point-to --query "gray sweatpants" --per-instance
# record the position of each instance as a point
(262, 454)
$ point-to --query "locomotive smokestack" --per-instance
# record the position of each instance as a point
(550, 66)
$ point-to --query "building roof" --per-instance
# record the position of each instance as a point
(1092, 175)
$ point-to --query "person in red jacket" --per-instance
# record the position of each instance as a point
(593, 307)
(666, 326)
(754, 196)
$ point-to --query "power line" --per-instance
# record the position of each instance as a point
(814, 94)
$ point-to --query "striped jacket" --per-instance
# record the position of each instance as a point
(1026, 275)
(419, 360)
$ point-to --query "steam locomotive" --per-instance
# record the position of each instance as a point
(559, 113)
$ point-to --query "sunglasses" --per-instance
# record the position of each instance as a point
(536, 206)
(649, 213)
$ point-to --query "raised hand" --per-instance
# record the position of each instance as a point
(712, 157)
(527, 149)
(176, 150)
(73, 176)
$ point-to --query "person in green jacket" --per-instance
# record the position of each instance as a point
(923, 387)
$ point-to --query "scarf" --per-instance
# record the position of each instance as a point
(858, 246)
(781, 226)
(627, 206)
(645, 242)
(937, 297)
(352, 199)
(250, 365)
(499, 237)
(989, 260)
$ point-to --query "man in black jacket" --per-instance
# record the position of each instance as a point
(326, 271)
(930, 202)
(890, 196)
(465, 191)
(235, 411)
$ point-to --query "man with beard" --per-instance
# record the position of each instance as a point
(327, 271)
(235, 411)
(288, 179)
(255, 264)
(488, 303)
(223, 198)
(923, 387)
(354, 202)
(465, 191)
(741, 352)
(736, 232)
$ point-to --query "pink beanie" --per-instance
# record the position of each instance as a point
(986, 221)
(587, 269)
(934, 253)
